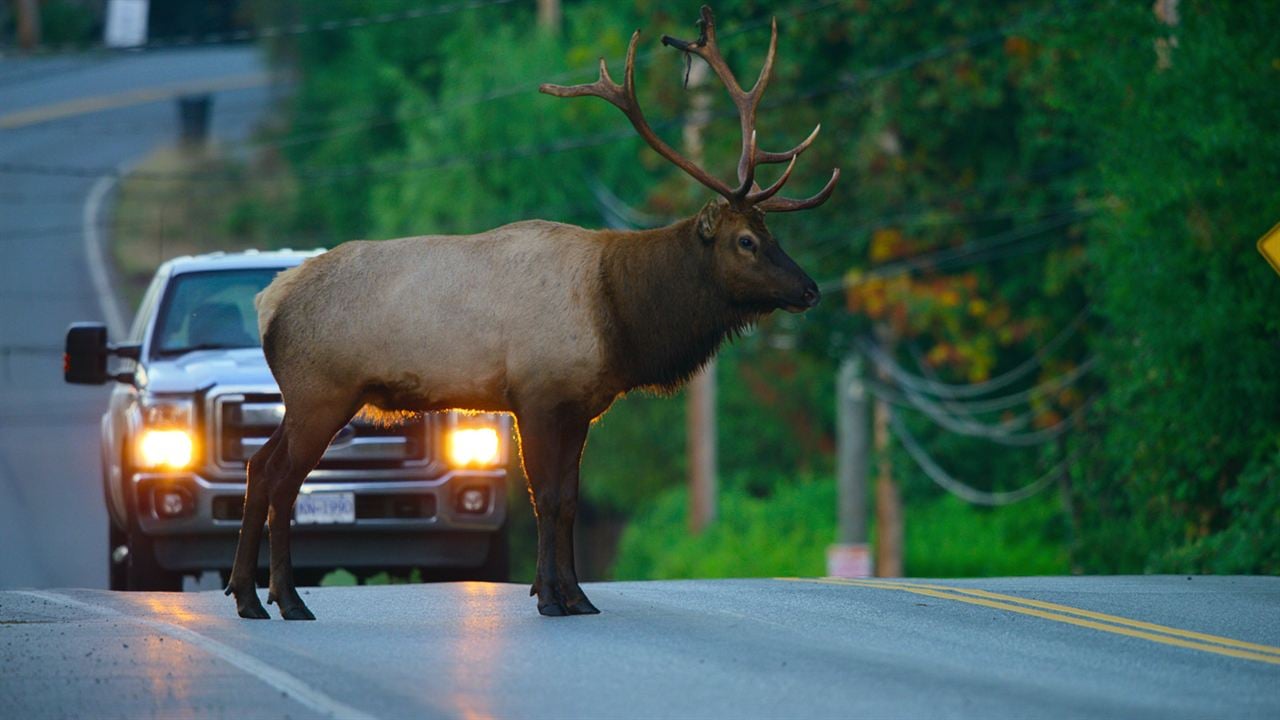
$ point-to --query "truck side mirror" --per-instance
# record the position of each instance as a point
(85, 362)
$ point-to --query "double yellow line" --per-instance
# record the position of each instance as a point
(1114, 624)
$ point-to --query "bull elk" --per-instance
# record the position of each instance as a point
(547, 321)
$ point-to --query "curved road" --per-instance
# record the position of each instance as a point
(77, 112)
(1153, 647)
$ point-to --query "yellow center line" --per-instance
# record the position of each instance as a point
(98, 103)
(1076, 616)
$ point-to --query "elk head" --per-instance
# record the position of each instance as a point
(746, 260)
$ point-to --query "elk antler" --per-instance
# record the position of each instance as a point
(623, 97)
(747, 193)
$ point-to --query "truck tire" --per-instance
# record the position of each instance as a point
(117, 572)
(143, 572)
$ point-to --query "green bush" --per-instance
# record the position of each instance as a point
(787, 534)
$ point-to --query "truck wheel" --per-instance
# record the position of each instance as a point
(143, 572)
(117, 557)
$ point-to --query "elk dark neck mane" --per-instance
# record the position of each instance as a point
(663, 313)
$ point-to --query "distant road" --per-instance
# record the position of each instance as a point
(80, 112)
(1079, 647)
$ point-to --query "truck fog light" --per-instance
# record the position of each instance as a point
(473, 500)
(165, 448)
(473, 447)
(173, 502)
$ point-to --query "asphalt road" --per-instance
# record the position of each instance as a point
(75, 112)
(730, 648)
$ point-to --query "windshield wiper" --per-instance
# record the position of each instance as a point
(201, 346)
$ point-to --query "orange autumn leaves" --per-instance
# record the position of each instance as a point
(957, 320)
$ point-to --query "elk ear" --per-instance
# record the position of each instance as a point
(709, 220)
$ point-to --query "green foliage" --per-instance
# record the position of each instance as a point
(783, 534)
(1186, 432)
(65, 23)
(787, 532)
(946, 537)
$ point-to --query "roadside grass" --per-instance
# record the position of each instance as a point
(181, 201)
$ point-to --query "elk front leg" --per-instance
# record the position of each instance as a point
(551, 446)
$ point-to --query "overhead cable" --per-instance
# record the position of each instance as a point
(269, 32)
(367, 169)
(962, 490)
(953, 391)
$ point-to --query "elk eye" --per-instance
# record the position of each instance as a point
(746, 242)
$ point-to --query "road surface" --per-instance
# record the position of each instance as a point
(1000, 648)
(75, 112)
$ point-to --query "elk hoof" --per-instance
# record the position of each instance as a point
(557, 606)
(291, 606)
(296, 612)
(247, 604)
(552, 609)
(582, 606)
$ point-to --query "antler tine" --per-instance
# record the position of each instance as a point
(623, 97)
(772, 157)
(746, 170)
(766, 72)
(790, 205)
(707, 48)
(765, 194)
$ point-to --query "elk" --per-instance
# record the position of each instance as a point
(547, 321)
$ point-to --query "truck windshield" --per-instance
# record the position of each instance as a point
(210, 310)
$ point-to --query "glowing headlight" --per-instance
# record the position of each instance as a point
(473, 447)
(165, 448)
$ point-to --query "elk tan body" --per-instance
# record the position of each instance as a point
(547, 321)
(413, 324)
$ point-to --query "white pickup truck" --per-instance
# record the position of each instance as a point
(194, 399)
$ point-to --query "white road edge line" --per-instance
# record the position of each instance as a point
(282, 681)
(93, 252)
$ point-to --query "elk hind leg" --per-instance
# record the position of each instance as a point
(264, 465)
(310, 430)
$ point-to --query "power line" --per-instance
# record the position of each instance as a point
(364, 169)
(923, 207)
(269, 32)
(965, 492)
(995, 434)
(956, 256)
(960, 392)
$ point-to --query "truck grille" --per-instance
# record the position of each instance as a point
(246, 421)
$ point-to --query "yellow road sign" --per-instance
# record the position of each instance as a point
(1269, 246)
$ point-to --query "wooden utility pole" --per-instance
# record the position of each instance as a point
(549, 16)
(888, 500)
(28, 24)
(701, 392)
(851, 557)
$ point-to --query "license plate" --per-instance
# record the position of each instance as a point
(325, 508)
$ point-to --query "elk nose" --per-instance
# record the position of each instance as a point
(811, 294)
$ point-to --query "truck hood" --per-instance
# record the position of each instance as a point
(204, 368)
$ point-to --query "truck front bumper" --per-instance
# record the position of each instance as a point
(399, 522)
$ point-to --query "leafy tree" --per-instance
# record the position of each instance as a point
(1183, 476)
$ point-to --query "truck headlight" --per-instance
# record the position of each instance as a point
(473, 447)
(165, 412)
(171, 449)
